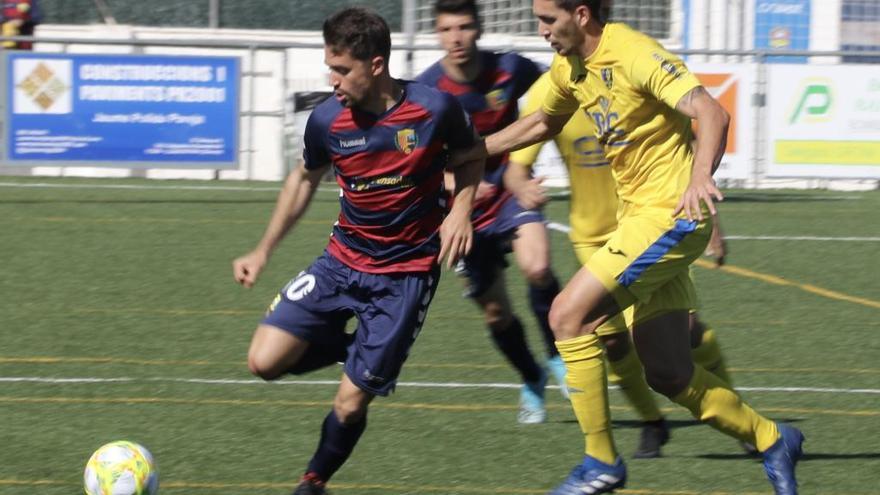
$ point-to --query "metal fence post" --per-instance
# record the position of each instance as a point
(759, 101)
(409, 30)
(252, 55)
(286, 151)
(213, 14)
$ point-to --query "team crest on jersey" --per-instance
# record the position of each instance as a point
(496, 99)
(608, 77)
(407, 140)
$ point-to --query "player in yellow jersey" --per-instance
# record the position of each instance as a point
(641, 99)
(593, 218)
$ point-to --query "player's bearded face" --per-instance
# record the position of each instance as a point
(458, 35)
(351, 78)
(557, 26)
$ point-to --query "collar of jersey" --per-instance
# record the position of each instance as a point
(579, 65)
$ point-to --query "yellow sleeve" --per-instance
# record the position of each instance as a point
(534, 100)
(661, 74)
(560, 100)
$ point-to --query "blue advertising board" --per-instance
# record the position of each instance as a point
(783, 25)
(130, 111)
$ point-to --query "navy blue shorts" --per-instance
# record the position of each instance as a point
(390, 308)
(491, 245)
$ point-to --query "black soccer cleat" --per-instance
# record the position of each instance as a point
(654, 435)
(310, 484)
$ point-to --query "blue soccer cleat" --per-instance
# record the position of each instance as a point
(531, 402)
(781, 458)
(592, 477)
(557, 369)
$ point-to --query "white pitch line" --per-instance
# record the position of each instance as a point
(460, 385)
(565, 229)
(44, 185)
(552, 225)
(36, 379)
(559, 227)
(798, 238)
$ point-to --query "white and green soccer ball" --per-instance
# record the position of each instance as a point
(121, 468)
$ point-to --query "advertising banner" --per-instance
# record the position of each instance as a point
(128, 111)
(732, 85)
(783, 25)
(823, 121)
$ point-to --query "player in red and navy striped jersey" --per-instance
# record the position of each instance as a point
(390, 169)
(388, 143)
(488, 85)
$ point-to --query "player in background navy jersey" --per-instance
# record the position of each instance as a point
(388, 142)
(488, 86)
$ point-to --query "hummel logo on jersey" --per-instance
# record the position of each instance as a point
(351, 143)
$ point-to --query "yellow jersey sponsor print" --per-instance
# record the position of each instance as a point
(593, 210)
(629, 88)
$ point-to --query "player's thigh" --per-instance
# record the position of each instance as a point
(616, 329)
(582, 306)
(273, 351)
(531, 248)
(312, 311)
(663, 346)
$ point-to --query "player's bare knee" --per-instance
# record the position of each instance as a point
(263, 369)
(562, 321)
(349, 411)
(497, 316)
(538, 274)
(667, 382)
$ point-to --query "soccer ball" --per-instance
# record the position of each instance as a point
(121, 468)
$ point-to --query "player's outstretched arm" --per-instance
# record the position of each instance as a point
(533, 128)
(456, 231)
(293, 200)
(712, 121)
(528, 190)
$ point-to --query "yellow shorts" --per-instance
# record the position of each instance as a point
(645, 263)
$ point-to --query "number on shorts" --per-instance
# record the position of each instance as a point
(301, 286)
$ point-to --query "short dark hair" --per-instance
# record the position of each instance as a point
(360, 31)
(593, 5)
(457, 7)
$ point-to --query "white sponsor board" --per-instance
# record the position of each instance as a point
(733, 85)
(823, 121)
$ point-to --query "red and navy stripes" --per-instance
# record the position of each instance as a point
(491, 100)
(390, 168)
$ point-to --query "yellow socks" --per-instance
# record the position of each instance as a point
(708, 355)
(588, 387)
(629, 375)
(711, 400)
